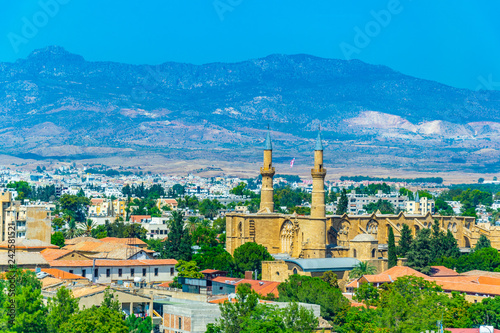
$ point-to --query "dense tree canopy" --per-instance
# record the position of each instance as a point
(178, 243)
(298, 288)
(384, 206)
(248, 257)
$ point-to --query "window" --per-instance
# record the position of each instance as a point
(71, 271)
(171, 271)
(143, 272)
(84, 272)
(354, 253)
(96, 272)
(132, 272)
(119, 272)
(156, 271)
(108, 272)
(373, 253)
(180, 323)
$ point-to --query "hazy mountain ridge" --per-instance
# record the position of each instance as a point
(55, 98)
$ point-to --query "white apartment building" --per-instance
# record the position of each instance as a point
(420, 206)
(358, 201)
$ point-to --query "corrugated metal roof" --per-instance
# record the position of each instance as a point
(325, 264)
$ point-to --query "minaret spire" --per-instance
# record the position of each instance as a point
(318, 174)
(267, 172)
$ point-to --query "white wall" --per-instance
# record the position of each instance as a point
(164, 273)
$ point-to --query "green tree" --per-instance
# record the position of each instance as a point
(362, 268)
(86, 227)
(99, 232)
(61, 308)
(139, 325)
(330, 278)
(483, 242)
(30, 311)
(248, 316)
(457, 313)
(248, 257)
(486, 313)
(22, 188)
(405, 241)
(343, 203)
(443, 208)
(188, 269)
(233, 315)
(95, 320)
(411, 304)
(367, 294)
(214, 258)
(178, 244)
(421, 252)
(58, 223)
(57, 238)
(392, 255)
(75, 206)
(384, 206)
(299, 288)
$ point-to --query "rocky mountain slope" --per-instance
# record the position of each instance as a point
(57, 104)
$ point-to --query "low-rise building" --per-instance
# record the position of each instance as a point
(118, 271)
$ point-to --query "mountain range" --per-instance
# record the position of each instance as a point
(56, 105)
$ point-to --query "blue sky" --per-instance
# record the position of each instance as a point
(453, 42)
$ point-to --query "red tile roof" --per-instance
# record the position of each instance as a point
(139, 218)
(211, 271)
(473, 285)
(261, 287)
(125, 241)
(62, 275)
(442, 271)
(53, 254)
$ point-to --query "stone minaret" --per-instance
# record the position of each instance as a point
(318, 175)
(267, 172)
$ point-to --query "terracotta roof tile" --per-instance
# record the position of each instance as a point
(261, 287)
(53, 254)
(125, 241)
(442, 271)
(60, 274)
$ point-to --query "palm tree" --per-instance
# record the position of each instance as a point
(71, 230)
(363, 268)
(205, 223)
(85, 228)
(192, 223)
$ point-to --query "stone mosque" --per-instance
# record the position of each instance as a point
(363, 237)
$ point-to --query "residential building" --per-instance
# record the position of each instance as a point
(357, 202)
(171, 203)
(120, 271)
(28, 221)
(420, 206)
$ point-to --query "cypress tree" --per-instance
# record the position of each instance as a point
(405, 240)
(343, 203)
(178, 244)
(483, 242)
(393, 259)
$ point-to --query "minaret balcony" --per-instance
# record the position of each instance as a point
(267, 172)
(318, 173)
